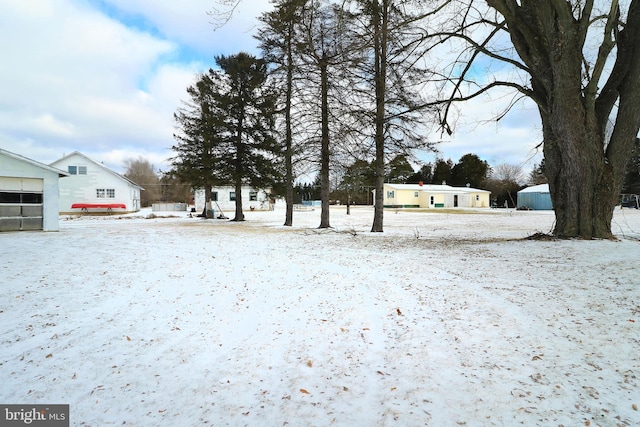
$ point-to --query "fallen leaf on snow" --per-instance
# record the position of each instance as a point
(635, 407)
(399, 312)
(49, 356)
(128, 338)
(304, 391)
(309, 363)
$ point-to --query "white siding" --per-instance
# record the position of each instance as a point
(227, 205)
(32, 178)
(83, 188)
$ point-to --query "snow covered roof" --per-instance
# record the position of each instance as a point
(542, 188)
(435, 188)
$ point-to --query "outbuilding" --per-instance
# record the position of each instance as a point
(434, 196)
(223, 198)
(91, 186)
(28, 194)
(536, 198)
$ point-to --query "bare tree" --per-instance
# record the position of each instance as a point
(392, 74)
(504, 182)
(278, 38)
(143, 173)
(579, 91)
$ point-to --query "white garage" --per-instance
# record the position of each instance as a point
(28, 194)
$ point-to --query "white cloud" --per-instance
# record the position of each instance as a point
(75, 78)
(82, 81)
(191, 23)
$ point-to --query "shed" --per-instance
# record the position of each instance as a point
(434, 196)
(536, 197)
(92, 185)
(28, 194)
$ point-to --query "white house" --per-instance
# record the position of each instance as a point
(93, 186)
(434, 196)
(224, 198)
(28, 194)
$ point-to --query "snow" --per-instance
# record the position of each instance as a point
(445, 319)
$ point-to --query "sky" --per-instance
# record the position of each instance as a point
(104, 77)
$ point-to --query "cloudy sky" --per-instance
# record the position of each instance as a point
(104, 77)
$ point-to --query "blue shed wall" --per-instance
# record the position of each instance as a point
(535, 201)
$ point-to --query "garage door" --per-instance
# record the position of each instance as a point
(20, 204)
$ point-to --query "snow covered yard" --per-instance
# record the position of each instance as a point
(443, 320)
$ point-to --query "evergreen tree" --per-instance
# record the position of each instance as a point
(469, 170)
(424, 175)
(632, 176)
(198, 141)
(400, 170)
(537, 176)
(226, 130)
(245, 104)
(442, 171)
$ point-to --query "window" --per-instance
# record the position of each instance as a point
(390, 194)
(432, 200)
(111, 193)
(100, 193)
(214, 196)
(232, 196)
(477, 197)
(253, 196)
(415, 194)
(77, 170)
(20, 198)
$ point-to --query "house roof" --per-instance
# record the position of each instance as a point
(542, 188)
(435, 188)
(122, 177)
(15, 156)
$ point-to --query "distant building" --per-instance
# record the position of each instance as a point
(434, 196)
(28, 194)
(93, 186)
(224, 198)
(536, 198)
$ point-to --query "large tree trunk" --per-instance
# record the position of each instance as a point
(239, 215)
(238, 174)
(580, 180)
(324, 149)
(208, 209)
(288, 161)
(584, 163)
(380, 75)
